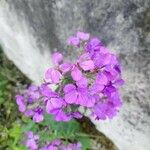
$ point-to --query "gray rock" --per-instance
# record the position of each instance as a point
(30, 30)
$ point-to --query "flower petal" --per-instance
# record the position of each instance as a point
(82, 83)
(73, 41)
(83, 36)
(69, 87)
(101, 79)
(38, 117)
(85, 62)
(71, 97)
(57, 58)
(52, 75)
(65, 67)
(76, 74)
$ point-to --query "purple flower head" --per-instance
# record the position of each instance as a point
(83, 36)
(53, 76)
(92, 81)
(79, 96)
(57, 58)
(21, 103)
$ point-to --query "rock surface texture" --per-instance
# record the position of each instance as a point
(31, 29)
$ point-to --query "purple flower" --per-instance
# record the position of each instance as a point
(119, 82)
(101, 60)
(111, 73)
(104, 50)
(85, 62)
(93, 45)
(21, 103)
(33, 93)
(73, 41)
(54, 145)
(93, 82)
(29, 113)
(53, 75)
(108, 108)
(58, 144)
(76, 95)
(115, 99)
(76, 114)
(66, 67)
(99, 111)
(38, 115)
(109, 89)
(83, 36)
(72, 146)
(47, 92)
(53, 104)
(104, 59)
(57, 58)
(32, 141)
(60, 115)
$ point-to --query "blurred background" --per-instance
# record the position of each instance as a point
(30, 30)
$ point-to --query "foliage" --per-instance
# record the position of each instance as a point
(49, 130)
(10, 127)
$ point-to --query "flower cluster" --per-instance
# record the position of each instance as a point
(91, 82)
(32, 142)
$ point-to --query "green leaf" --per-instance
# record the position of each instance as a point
(85, 141)
(21, 147)
(64, 128)
(30, 126)
(15, 132)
